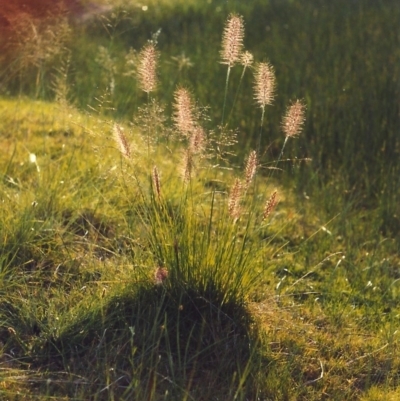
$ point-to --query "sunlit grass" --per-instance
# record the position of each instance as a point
(87, 256)
(117, 285)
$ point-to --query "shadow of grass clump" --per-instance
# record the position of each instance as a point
(150, 341)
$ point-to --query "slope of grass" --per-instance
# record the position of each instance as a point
(341, 57)
(81, 315)
(115, 284)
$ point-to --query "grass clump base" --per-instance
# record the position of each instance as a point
(154, 342)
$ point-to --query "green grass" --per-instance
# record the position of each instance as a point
(341, 57)
(301, 306)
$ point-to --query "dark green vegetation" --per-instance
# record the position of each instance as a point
(304, 306)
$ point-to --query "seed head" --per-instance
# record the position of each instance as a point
(246, 59)
(147, 68)
(264, 86)
(197, 140)
(234, 199)
(232, 40)
(293, 120)
(269, 205)
(160, 275)
(122, 142)
(251, 167)
(183, 111)
(156, 182)
(188, 166)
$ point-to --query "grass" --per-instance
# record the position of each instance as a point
(119, 283)
(335, 49)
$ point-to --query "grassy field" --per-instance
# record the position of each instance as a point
(145, 260)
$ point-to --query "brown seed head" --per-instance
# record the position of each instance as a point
(156, 182)
(264, 86)
(183, 111)
(269, 205)
(234, 199)
(160, 275)
(147, 68)
(293, 120)
(232, 40)
(122, 142)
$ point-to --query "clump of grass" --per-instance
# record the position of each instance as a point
(188, 311)
(206, 238)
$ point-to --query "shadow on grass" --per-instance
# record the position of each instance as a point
(152, 341)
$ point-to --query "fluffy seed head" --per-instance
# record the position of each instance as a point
(264, 86)
(188, 166)
(246, 59)
(234, 199)
(251, 167)
(183, 111)
(147, 68)
(232, 40)
(121, 141)
(293, 120)
(269, 205)
(197, 140)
